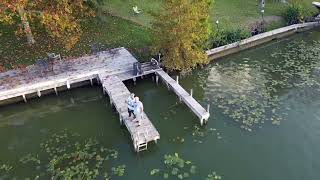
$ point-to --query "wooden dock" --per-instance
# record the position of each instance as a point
(110, 68)
(118, 94)
(184, 96)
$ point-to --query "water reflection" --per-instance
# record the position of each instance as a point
(53, 106)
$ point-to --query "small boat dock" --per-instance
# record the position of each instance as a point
(108, 68)
(184, 96)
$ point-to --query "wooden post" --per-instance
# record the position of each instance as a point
(24, 98)
(191, 92)
(157, 79)
(68, 84)
(177, 79)
(39, 93)
(120, 119)
(134, 80)
(91, 82)
(55, 90)
(208, 108)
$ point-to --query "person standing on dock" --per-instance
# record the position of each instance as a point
(138, 110)
(131, 105)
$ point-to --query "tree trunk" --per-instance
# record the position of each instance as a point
(26, 26)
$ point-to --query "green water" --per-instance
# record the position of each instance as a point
(289, 151)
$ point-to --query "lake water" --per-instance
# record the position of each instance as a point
(240, 141)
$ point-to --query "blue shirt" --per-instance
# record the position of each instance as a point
(130, 103)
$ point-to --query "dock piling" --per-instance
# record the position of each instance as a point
(208, 108)
(177, 79)
(39, 93)
(55, 90)
(157, 79)
(68, 84)
(134, 80)
(24, 98)
(91, 82)
(191, 92)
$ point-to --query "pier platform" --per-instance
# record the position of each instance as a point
(118, 94)
(108, 68)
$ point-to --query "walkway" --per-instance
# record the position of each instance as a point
(109, 68)
(118, 94)
(184, 96)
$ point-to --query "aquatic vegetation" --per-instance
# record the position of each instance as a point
(65, 156)
(178, 168)
(178, 139)
(119, 170)
(175, 166)
(199, 133)
(213, 176)
(5, 168)
(249, 94)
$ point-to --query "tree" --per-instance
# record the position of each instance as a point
(60, 18)
(181, 32)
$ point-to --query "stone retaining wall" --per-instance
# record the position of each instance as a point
(259, 39)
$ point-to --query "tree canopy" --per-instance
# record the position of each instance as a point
(60, 18)
(181, 32)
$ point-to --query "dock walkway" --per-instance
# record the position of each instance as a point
(110, 68)
(118, 94)
(184, 96)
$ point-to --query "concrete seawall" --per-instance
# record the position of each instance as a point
(259, 39)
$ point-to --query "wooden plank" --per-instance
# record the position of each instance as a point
(109, 67)
(15, 83)
(118, 94)
(195, 107)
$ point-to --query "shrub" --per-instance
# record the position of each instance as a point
(258, 27)
(221, 37)
(298, 11)
(293, 14)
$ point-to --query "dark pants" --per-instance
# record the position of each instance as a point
(131, 112)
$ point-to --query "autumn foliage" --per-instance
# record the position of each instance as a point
(2, 68)
(60, 18)
(181, 30)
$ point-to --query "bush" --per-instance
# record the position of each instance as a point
(258, 27)
(293, 14)
(221, 37)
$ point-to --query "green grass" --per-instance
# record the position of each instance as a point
(230, 13)
(108, 31)
(126, 29)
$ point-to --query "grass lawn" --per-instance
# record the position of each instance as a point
(108, 31)
(230, 13)
(126, 29)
